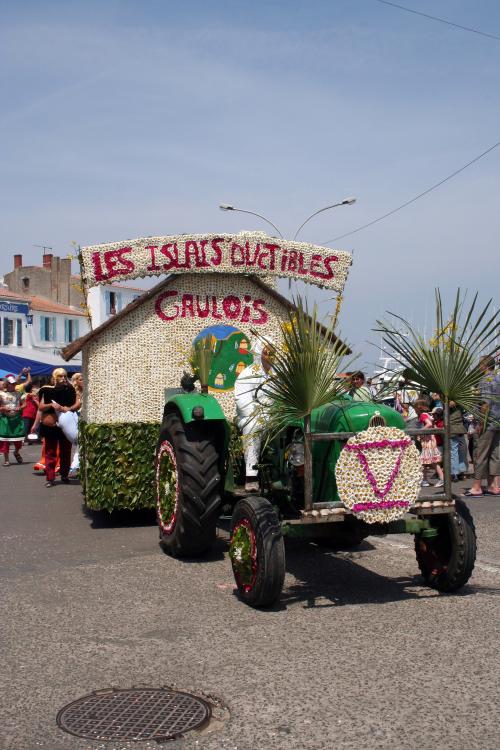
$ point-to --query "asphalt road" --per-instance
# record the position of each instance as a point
(358, 653)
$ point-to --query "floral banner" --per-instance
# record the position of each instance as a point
(378, 474)
(244, 253)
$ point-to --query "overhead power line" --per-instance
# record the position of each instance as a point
(441, 20)
(412, 200)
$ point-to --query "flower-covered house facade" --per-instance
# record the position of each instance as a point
(219, 286)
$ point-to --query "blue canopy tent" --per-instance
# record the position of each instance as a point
(11, 364)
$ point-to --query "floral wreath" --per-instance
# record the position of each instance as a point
(378, 474)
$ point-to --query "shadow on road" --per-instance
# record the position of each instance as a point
(101, 519)
(332, 579)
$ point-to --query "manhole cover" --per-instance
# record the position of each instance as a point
(134, 714)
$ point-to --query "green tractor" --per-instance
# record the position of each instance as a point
(196, 479)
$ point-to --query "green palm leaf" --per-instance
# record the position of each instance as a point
(448, 364)
(305, 369)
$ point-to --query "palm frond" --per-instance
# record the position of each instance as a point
(305, 369)
(449, 363)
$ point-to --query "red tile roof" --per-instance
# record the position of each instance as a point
(41, 304)
(4, 292)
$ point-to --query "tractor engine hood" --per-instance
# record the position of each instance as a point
(354, 416)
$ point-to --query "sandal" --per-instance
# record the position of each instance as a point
(6, 462)
(468, 493)
(18, 457)
(490, 492)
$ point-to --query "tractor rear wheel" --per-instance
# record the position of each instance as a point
(188, 498)
(446, 561)
(257, 551)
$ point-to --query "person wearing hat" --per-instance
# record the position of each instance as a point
(11, 423)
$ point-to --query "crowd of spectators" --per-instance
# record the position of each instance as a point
(42, 409)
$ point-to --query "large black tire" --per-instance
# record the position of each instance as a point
(187, 528)
(446, 561)
(256, 518)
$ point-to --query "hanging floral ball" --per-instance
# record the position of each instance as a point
(378, 474)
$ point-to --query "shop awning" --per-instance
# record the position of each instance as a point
(12, 364)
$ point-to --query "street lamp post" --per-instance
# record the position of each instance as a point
(229, 207)
(345, 202)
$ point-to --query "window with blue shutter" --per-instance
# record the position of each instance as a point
(54, 329)
(8, 331)
(67, 332)
(42, 328)
(107, 299)
(76, 326)
(19, 332)
(118, 301)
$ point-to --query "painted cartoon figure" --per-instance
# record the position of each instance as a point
(232, 354)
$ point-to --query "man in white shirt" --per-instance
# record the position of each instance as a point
(249, 400)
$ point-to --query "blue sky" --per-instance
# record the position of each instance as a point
(122, 119)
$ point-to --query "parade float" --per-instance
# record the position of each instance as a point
(330, 469)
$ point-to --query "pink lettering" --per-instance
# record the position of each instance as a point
(99, 274)
(191, 249)
(187, 306)
(158, 305)
(235, 250)
(112, 259)
(284, 259)
(251, 261)
(292, 261)
(246, 310)
(202, 313)
(263, 317)
(316, 261)
(203, 255)
(231, 306)
(216, 259)
(173, 257)
(215, 313)
(303, 271)
(154, 266)
(272, 250)
(330, 273)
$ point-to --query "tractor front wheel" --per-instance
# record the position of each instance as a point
(257, 551)
(446, 560)
(188, 483)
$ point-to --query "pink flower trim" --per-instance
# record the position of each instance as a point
(379, 444)
(359, 507)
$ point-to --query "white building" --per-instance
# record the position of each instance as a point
(34, 329)
(42, 309)
(109, 299)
